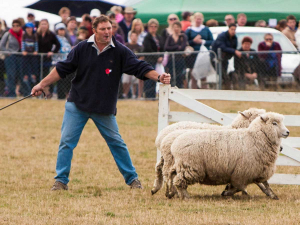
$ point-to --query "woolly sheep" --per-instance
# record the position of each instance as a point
(163, 166)
(208, 157)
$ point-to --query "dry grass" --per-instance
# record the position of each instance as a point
(30, 133)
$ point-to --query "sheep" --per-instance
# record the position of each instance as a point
(162, 169)
(237, 156)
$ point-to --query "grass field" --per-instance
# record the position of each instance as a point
(30, 133)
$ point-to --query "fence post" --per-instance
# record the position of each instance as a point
(163, 110)
(219, 63)
(174, 70)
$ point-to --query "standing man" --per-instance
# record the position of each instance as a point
(99, 62)
(126, 23)
(227, 42)
(229, 19)
(241, 19)
(291, 29)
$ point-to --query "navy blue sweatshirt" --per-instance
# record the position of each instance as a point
(95, 86)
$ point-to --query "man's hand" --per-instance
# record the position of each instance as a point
(49, 54)
(37, 90)
(238, 53)
(165, 78)
(24, 53)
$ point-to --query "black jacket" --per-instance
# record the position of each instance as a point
(226, 44)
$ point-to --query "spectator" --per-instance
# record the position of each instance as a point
(197, 35)
(129, 80)
(31, 19)
(241, 19)
(212, 23)
(186, 20)
(271, 61)
(11, 42)
(117, 10)
(126, 23)
(229, 19)
(87, 22)
(22, 21)
(297, 36)
(117, 36)
(2, 66)
(168, 31)
(281, 25)
(177, 41)
(94, 14)
(111, 15)
(64, 13)
(246, 67)
(82, 34)
(71, 31)
(290, 30)
(261, 23)
(152, 44)
(64, 85)
(49, 44)
(3, 27)
(137, 27)
(30, 62)
(227, 42)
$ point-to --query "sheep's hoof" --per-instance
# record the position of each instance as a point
(226, 193)
(153, 191)
(275, 197)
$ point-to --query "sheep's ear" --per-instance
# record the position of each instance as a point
(243, 114)
(264, 117)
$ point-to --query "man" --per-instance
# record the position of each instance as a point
(31, 19)
(64, 13)
(87, 22)
(125, 24)
(229, 19)
(290, 30)
(99, 62)
(227, 42)
(241, 19)
(94, 14)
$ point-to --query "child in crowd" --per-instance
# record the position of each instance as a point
(30, 62)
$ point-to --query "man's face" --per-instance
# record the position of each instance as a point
(242, 21)
(30, 18)
(231, 31)
(129, 16)
(246, 46)
(65, 15)
(229, 19)
(72, 24)
(291, 23)
(103, 32)
(134, 38)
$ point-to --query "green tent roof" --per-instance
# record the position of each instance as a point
(217, 9)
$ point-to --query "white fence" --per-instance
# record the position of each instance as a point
(204, 113)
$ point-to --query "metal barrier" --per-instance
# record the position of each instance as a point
(271, 70)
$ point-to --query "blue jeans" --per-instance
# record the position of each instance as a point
(73, 123)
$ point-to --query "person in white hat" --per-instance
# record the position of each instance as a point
(126, 23)
(94, 13)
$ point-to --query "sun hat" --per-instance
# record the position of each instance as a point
(60, 26)
(31, 25)
(95, 13)
(129, 9)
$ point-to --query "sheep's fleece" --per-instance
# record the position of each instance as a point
(236, 156)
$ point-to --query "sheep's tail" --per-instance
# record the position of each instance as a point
(159, 180)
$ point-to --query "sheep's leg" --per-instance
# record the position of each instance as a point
(229, 186)
(271, 193)
(231, 191)
(181, 187)
(263, 188)
(158, 183)
(171, 190)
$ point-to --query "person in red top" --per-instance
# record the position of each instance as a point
(186, 20)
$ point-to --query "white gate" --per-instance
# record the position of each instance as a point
(204, 113)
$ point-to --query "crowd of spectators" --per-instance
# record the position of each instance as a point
(33, 37)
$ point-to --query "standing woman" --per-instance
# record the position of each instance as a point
(152, 44)
(46, 42)
(176, 42)
(168, 31)
(197, 35)
(137, 27)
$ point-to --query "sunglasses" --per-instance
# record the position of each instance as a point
(172, 19)
(268, 39)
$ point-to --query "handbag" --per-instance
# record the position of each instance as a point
(202, 67)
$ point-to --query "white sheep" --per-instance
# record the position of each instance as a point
(236, 156)
(168, 135)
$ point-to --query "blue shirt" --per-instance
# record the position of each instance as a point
(95, 86)
(205, 35)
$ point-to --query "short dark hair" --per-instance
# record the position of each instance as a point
(16, 21)
(87, 18)
(290, 17)
(232, 25)
(185, 15)
(177, 23)
(71, 18)
(247, 39)
(100, 19)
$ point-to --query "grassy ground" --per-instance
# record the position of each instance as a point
(30, 133)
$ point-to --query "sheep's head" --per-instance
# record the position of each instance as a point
(271, 125)
(244, 118)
